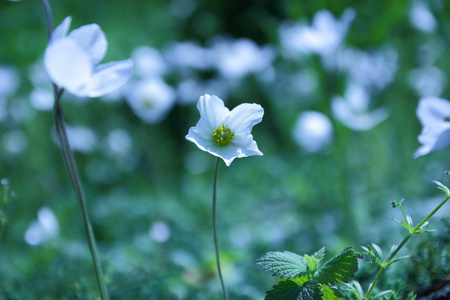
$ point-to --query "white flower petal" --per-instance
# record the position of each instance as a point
(442, 141)
(106, 78)
(243, 117)
(205, 143)
(212, 112)
(61, 31)
(432, 110)
(92, 40)
(66, 64)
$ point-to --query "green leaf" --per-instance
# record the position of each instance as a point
(381, 294)
(400, 258)
(442, 187)
(313, 264)
(291, 290)
(378, 250)
(284, 264)
(340, 268)
(330, 293)
(319, 255)
(408, 227)
(355, 288)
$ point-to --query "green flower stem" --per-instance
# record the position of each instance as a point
(405, 240)
(73, 172)
(219, 270)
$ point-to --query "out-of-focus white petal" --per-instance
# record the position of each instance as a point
(357, 120)
(212, 111)
(106, 78)
(435, 135)
(149, 62)
(66, 64)
(91, 39)
(61, 30)
(432, 110)
(243, 117)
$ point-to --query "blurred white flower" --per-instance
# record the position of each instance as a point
(189, 89)
(41, 99)
(427, 81)
(374, 69)
(150, 99)
(323, 37)
(312, 131)
(72, 61)
(434, 114)
(43, 229)
(236, 59)
(81, 138)
(224, 133)
(119, 142)
(188, 55)
(148, 62)
(159, 232)
(9, 81)
(353, 110)
(15, 141)
(421, 17)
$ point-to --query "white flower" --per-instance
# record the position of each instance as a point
(312, 131)
(353, 111)
(150, 99)
(236, 59)
(421, 17)
(224, 133)
(433, 113)
(43, 229)
(72, 61)
(323, 37)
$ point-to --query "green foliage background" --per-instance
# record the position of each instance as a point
(285, 200)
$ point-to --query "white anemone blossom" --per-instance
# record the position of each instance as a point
(434, 114)
(72, 61)
(224, 133)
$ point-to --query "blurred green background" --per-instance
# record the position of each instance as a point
(328, 183)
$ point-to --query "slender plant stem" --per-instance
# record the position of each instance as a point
(216, 244)
(405, 240)
(73, 171)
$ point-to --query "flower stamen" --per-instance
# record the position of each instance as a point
(222, 136)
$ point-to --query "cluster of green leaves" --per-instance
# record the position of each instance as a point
(307, 277)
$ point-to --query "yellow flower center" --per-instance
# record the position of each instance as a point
(222, 136)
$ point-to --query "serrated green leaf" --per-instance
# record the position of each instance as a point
(442, 187)
(330, 293)
(284, 264)
(319, 255)
(340, 268)
(290, 290)
(312, 263)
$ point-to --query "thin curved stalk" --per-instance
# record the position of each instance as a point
(73, 171)
(216, 244)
